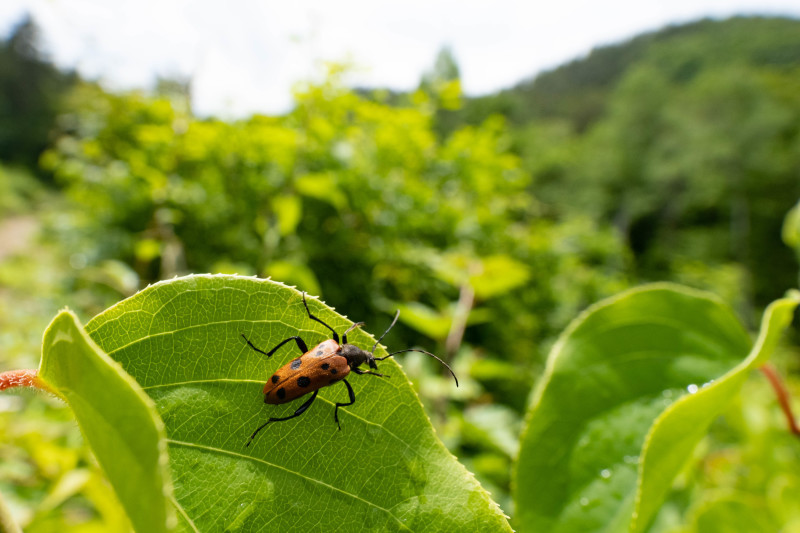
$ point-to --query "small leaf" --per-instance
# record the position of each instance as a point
(293, 272)
(289, 210)
(791, 228)
(678, 429)
(321, 186)
(117, 418)
(612, 372)
(498, 275)
(489, 276)
(436, 323)
(384, 471)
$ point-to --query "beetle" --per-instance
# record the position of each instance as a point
(327, 363)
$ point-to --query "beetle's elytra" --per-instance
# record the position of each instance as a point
(326, 363)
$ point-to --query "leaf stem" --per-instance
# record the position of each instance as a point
(22, 378)
(783, 396)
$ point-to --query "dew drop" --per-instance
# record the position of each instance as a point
(584, 502)
(707, 384)
(692, 388)
(605, 473)
(667, 393)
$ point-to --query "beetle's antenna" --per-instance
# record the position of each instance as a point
(354, 326)
(426, 353)
(385, 332)
(351, 328)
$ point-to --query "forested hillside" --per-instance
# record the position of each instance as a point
(684, 139)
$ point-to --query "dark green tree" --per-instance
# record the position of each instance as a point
(31, 91)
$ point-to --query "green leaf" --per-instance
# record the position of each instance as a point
(384, 471)
(678, 429)
(791, 228)
(732, 511)
(117, 418)
(289, 211)
(293, 272)
(436, 323)
(612, 373)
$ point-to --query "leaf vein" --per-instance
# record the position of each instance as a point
(278, 467)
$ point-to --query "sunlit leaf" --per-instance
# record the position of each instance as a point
(610, 376)
(498, 274)
(488, 276)
(791, 228)
(294, 273)
(321, 186)
(289, 210)
(384, 471)
(678, 429)
(435, 323)
(117, 419)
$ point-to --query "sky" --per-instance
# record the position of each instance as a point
(244, 56)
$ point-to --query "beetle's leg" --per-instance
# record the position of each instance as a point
(302, 409)
(362, 372)
(338, 405)
(300, 344)
(312, 317)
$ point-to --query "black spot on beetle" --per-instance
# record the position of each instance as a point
(275, 378)
(325, 366)
(296, 363)
(319, 352)
(281, 393)
(333, 371)
(303, 381)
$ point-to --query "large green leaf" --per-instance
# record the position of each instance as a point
(117, 418)
(384, 471)
(612, 373)
(678, 429)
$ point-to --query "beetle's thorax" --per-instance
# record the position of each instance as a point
(355, 356)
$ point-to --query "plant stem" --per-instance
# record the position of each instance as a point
(466, 299)
(21, 378)
(783, 396)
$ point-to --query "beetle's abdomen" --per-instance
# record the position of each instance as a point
(303, 375)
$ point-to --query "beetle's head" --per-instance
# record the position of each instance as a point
(356, 356)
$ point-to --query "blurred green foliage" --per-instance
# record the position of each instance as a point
(684, 139)
(490, 222)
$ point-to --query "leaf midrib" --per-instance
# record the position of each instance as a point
(284, 469)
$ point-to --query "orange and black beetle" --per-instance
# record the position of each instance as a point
(327, 363)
